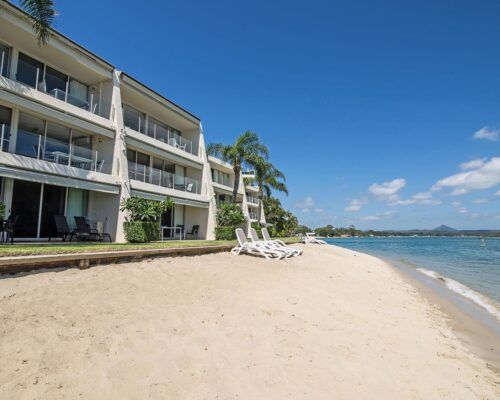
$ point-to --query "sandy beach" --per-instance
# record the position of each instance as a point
(332, 324)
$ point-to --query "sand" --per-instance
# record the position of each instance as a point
(332, 324)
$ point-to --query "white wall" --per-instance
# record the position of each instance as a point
(196, 216)
(104, 207)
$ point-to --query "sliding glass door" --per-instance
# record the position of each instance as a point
(52, 204)
(26, 205)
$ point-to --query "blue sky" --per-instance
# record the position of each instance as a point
(370, 108)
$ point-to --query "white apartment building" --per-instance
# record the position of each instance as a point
(78, 136)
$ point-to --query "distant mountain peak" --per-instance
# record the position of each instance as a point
(444, 228)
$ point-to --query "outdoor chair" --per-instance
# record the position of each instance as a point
(267, 245)
(62, 228)
(9, 228)
(278, 243)
(194, 231)
(85, 232)
(244, 246)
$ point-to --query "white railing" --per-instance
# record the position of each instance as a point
(57, 151)
(154, 176)
(223, 180)
(162, 133)
(90, 104)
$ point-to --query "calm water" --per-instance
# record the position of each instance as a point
(463, 262)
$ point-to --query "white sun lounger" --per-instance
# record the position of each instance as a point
(262, 243)
(310, 238)
(278, 243)
(244, 246)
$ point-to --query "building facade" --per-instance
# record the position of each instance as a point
(78, 136)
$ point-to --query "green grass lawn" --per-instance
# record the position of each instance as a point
(29, 249)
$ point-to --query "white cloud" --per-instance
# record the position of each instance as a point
(388, 190)
(379, 216)
(473, 164)
(458, 207)
(485, 176)
(480, 201)
(354, 205)
(497, 193)
(305, 205)
(486, 133)
(371, 218)
(318, 210)
(419, 198)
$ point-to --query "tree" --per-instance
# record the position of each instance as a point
(41, 13)
(283, 221)
(267, 177)
(245, 150)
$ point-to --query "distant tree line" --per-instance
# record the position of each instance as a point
(331, 231)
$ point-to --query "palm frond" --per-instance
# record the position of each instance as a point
(42, 14)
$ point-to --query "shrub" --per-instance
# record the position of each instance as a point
(258, 229)
(2, 209)
(141, 231)
(230, 215)
(142, 224)
(140, 209)
(225, 233)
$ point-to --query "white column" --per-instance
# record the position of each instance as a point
(13, 130)
(14, 57)
(207, 189)
(120, 166)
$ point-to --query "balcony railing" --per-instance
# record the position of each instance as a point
(222, 180)
(87, 101)
(253, 200)
(57, 151)
(166, 179)
(146, 125)
(253, 215)
(4, 137)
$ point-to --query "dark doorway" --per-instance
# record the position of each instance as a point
(26, 204)
(52, 204)
(167, 219)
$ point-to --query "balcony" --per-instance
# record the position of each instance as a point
(252, 200)
(154, 176)
(222, 179)
(143, 123)
(253, 216)
(66, 153)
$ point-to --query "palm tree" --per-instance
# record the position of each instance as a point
(42, 14)
(246, 150)
(268, 177)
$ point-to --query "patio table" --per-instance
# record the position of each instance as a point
(174, 229)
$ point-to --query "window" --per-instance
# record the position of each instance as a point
(55, 83)
(30, 133)
(138, 165)
(4, 59)
(5, 118)
(134, 119)
(29, 71)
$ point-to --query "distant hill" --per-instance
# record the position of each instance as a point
(444, 228)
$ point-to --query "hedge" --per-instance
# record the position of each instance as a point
(225, 233)
(141, 231)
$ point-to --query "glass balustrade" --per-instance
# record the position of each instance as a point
(154, 176)
(253, 200)
(57, 151)
(4, 137)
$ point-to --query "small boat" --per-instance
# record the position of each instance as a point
(483, 242)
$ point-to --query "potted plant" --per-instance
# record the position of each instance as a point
(142, 224)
